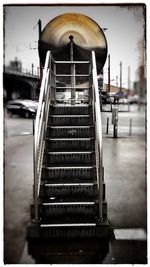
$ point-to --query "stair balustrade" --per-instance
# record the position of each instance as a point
(47, 92)
(98, 133)
(48, 96)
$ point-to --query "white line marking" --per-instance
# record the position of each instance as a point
(25, 133)
(69, 184)
(130, 234)
(68, 224)
(66, 167)
(67, 203)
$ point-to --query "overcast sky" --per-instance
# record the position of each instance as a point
(125, 29)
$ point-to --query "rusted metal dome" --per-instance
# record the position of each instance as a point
(87, 36)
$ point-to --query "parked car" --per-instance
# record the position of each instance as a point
(133, 99)
(23, 108)
(123, 100)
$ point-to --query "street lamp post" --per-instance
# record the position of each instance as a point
(40, 64)
(128, 80)
(120, 76)
(109, 73)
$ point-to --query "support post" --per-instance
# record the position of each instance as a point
(128, 80)
(115, 121)
(121, 76)
(130, 127)
(117, 81)
(36, 215)
(73, 72)
(98, 142)
(40, 64)
(54, 89)
(108, 73)
(32, 67)
(107, 126)
(115, 130)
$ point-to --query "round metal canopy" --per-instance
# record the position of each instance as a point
(85, 31)
(87, 36)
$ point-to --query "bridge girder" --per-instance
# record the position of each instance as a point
(25, 85)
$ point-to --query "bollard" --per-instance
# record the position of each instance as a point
(130, 126)
(115, 131)
(115, 121)
(111, 107)
(33, 128)
(128, 107)
(107, 126)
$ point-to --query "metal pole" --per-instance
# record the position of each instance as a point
(128, 80)
(40, 64)
(99, 149)
(90, 85)
(109, 73)
(100, 191)
(54, 89)
(115, 131)
(115, 122)
(40, 27)
(32, 66)
(107, 127)
(36, 215)
(117, 81)
(120, 76)
(130, 126)
(73, 91)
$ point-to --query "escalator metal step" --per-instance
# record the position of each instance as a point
(72, 110)
(70, 144)
(70, 131)
(69, 158)
(69, 209)
(69, 120)
(70, 191)
(65, 172)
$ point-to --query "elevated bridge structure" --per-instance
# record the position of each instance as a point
(23, 84)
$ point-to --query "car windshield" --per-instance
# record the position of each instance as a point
(28, 104)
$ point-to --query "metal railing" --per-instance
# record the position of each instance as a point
(98, 132)
(72, 85)
(46, 91)
(48, 95)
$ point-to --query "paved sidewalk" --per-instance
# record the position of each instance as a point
(125, 177)
(126, 190)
